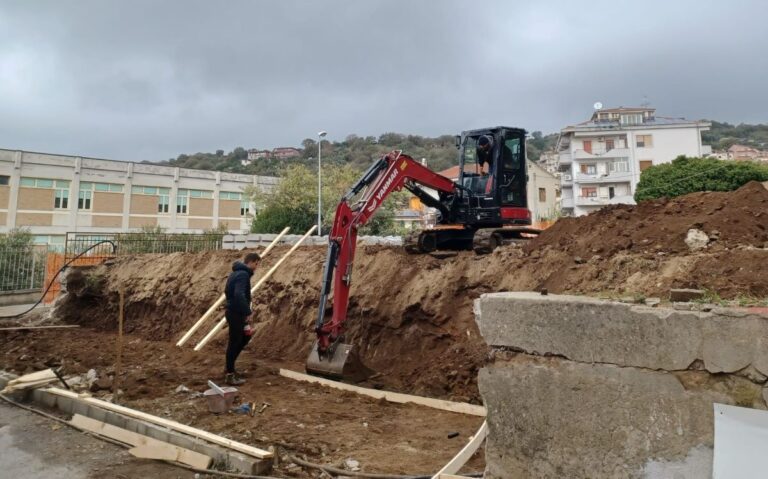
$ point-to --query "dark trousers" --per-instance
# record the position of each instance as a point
(237, 339)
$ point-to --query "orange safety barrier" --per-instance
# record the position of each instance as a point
(54, 262)
(542, 225)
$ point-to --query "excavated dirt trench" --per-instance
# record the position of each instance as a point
(410, 316)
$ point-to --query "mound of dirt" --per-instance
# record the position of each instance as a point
(738, 218)
(411, 315)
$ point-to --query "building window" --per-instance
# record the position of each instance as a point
(619, 166)
(542, 195)
(589, 192)
(84, 200)
(150, 190)
(632, 119)
(589, 169)
(41, 183)
(196, 193)
(230, 195)
(245, 208)
(645, 164)
(61, 199)
(163, 202)
(588, 146)
(609, 145)
(4, 180)
(644, 141)
(181, 204)
(107, 187)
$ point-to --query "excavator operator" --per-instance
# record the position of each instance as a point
(485, 152)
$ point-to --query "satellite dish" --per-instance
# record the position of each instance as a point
(598, 106)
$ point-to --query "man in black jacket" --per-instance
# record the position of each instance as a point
(239, 314)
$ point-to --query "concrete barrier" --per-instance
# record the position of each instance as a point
(13, 298)
(587, 388)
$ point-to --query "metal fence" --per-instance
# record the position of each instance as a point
(137, 243)
(22, 268)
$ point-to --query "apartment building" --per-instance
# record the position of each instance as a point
(600, 160)
(56, 194)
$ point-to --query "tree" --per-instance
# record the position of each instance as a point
(294, 203)
(687, 175)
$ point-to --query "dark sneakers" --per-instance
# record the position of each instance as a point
(233, 379)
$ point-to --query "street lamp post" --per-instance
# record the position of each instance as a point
(320, 136)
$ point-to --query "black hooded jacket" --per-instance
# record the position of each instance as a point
(238, 290)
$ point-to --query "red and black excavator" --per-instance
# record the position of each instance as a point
(484, 208)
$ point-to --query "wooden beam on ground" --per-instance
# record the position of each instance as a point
(24, 328)
(29, 381)
(222, 298)
(463, 456)
(458, 407)
(216, 329)
(143, 446)
(173, 425)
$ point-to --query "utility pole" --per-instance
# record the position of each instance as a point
(320, 136)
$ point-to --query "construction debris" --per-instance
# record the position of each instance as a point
(30, 381)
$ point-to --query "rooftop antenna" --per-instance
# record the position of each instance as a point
(597, 106)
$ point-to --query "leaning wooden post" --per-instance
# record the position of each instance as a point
(119, 358)
(221, 299)
(261, 281)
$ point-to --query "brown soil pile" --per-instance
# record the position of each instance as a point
(738, 218)
(411, 316)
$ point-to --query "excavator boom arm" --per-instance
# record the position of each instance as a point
(390, 173)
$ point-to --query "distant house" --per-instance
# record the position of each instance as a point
(285, 152)
(255, 154)
(743, 152)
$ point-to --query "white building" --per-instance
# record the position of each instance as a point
(57, 194)
(601, 159)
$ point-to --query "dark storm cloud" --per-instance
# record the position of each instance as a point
(148, 80)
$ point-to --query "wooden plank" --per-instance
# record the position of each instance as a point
(36, 376)
(26, 385)
(458, 407)
(222, 298)
(176, 426)
(24, 328)
(148, 447)
(466, 452)
(451, 476)
(168, 452)
(216, 329)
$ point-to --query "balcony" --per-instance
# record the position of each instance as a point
(566, 179)
(565, 158)
(566, 202)
(616, 177)
(604, 200)
(600, 154)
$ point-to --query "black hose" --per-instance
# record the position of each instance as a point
(17, 315)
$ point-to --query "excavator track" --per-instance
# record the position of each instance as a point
(482, 241)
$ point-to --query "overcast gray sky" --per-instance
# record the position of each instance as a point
(147, 80)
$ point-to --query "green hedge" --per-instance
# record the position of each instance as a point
(690, 174)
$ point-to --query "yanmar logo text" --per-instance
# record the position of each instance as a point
(380, 194)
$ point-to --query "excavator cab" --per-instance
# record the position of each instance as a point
(492, 176)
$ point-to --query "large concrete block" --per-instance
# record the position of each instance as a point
(552, 418)
(597, 331)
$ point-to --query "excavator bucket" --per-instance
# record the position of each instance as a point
(343, 363)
